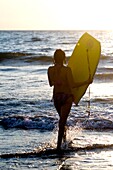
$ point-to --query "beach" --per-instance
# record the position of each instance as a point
(28, 119)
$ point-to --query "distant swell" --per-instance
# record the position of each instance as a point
(27, 57)
(104, 76)
(31, 57)
(11, 55)
(34, 39)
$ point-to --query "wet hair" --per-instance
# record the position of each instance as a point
(59, 56)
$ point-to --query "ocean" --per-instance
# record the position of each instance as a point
(28, 119)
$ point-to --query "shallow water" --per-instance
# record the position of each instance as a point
(97, 157)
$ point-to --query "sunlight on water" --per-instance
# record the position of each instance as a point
(80, 137)
(97, 158)
(90, 160)
(101, 90)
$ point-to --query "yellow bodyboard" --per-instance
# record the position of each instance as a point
(83, 62)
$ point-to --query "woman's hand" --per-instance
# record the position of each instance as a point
(88, 81)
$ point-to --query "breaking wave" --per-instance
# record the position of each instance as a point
(50, 123)
(37, 122)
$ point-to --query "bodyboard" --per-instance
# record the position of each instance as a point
(83, 62)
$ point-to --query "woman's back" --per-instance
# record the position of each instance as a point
(61, 78)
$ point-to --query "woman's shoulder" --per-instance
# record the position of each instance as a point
(66, 68)
(51, 67)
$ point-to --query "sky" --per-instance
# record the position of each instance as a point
(56, 15)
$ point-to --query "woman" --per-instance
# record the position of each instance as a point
(60, 77)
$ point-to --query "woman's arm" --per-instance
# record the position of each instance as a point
(51, 82)
(73, 84)
(88, 81)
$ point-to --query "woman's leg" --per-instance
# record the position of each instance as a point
(65, 110)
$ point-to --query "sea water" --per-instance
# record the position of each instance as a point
(28, 119)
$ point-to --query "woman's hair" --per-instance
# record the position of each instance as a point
(59, 56)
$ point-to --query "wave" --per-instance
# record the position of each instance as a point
(36, 39)
(49, 123)
(104, 57)
(11, 55)
(8, 69)
(103, 100)
(41, 59)
(105, 69)
(28, 57)
(38, 122)
(104, 76)
(97, 124)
